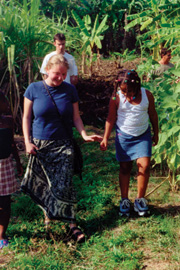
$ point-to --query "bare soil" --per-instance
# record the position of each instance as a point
(95, 91)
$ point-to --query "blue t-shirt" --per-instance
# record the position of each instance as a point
(47, 124)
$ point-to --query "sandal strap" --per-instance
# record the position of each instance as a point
(74, 229)
(75, 235)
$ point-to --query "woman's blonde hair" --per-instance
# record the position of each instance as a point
(58, 59)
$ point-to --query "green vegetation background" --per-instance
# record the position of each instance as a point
(112, 242)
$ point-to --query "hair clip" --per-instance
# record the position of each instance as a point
(132, 69)
(132, 80)
(129, 73)
(125, 81)
(113, 98)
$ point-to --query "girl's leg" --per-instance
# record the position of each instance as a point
(143, 175)
(5, 212)
(124, 177)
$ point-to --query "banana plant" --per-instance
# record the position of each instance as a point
(151, 18)
(166, 91)
(91, 34)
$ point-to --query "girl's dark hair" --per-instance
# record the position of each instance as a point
(130, 77)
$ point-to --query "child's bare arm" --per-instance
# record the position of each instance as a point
(153, 117)
(111, 119)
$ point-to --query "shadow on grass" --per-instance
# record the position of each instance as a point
(167, 210)
(112, 219)
(108, 221)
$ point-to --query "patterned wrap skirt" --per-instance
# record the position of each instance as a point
(130, 147)
(8, 183)
(48, 179)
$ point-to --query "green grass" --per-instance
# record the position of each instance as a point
(112, 242)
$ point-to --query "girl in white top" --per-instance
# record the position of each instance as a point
(131, 107)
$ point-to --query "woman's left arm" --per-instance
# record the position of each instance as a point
(153, 117)
(80, 126)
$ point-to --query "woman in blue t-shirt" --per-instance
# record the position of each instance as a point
(48, 178)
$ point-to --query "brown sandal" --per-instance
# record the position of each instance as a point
(75, 235)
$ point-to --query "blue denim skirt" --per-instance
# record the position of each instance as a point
(129, 147)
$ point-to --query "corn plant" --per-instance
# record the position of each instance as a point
(24, 35)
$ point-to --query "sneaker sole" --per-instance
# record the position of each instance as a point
(143, 213)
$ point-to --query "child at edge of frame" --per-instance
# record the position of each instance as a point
(131, 107)
(8, 183)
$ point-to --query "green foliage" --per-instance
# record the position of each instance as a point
(159, 19)
(166, 91)
(91, 34)
(124, 57)
(29, 213)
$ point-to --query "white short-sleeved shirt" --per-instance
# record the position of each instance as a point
(71, 61)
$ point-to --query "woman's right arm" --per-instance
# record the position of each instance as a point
(111, 119)
(30, 147)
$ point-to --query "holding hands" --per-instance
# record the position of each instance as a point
(103, 145)
(93, 138)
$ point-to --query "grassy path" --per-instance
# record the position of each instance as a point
(112, 242)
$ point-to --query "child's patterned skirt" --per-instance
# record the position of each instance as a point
(8, 183)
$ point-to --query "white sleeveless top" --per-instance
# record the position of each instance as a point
(133, 119)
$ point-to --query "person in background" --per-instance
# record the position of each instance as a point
(164, 64)
(131, 107)
(8, 183)
(49, 175)
(165, 60)
(59, 43)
